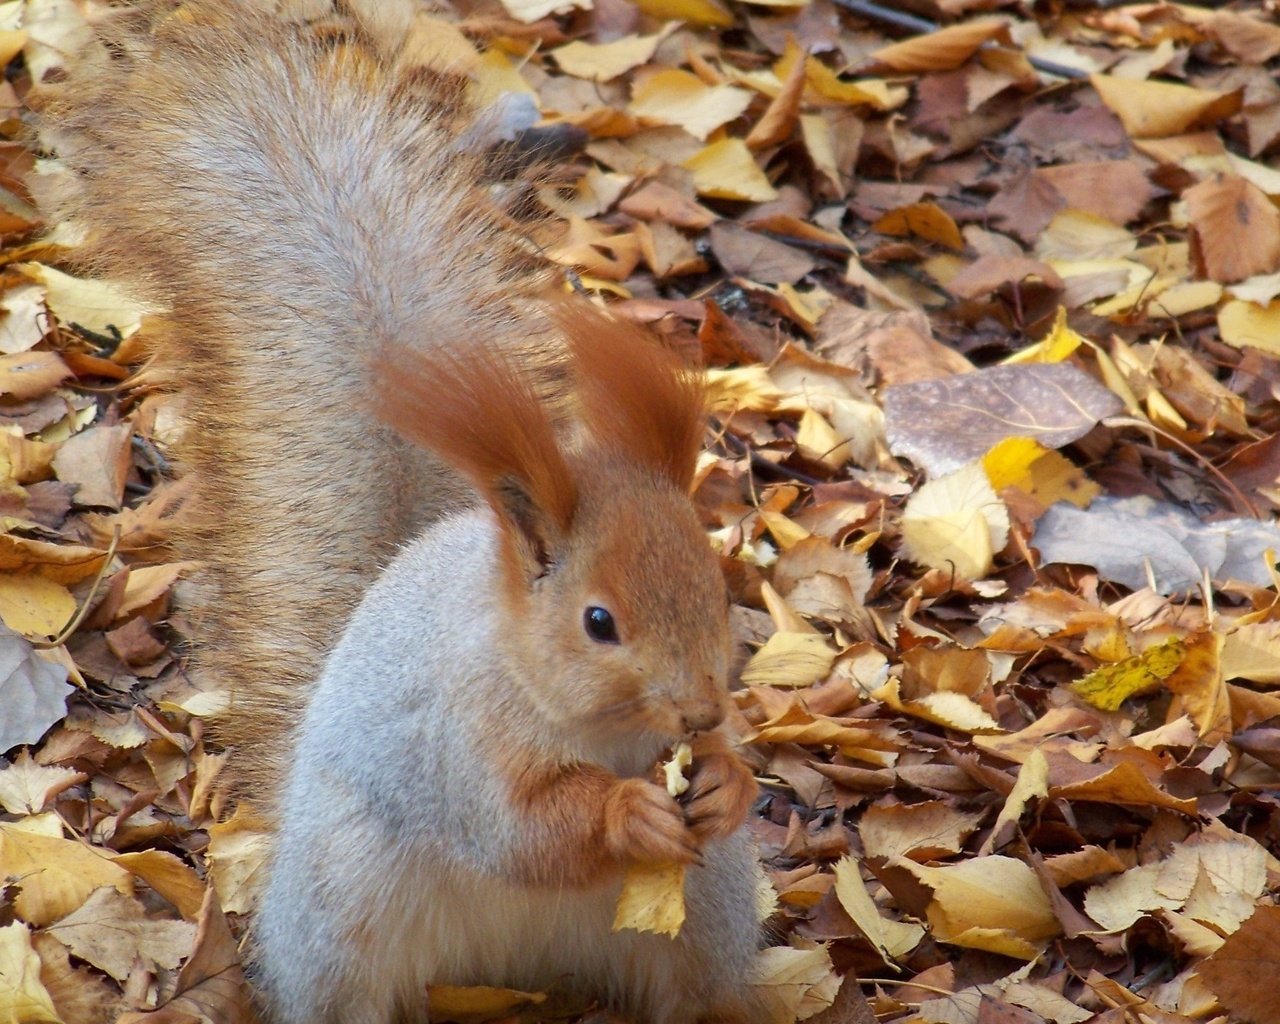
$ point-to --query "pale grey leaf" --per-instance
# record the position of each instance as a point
(942, 424)
(33, 692)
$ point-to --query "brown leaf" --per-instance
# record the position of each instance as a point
(30, 374)
(111, 931)
(747, 254)
(1114, 189)
(1239, 973)
(1250, 40)
(779, 119)
(942, 50)
(1237, 228)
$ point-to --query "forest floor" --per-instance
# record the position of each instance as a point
(991, 316)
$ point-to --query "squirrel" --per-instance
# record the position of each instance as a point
(453, 577)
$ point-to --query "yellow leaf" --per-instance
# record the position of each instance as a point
(436, 43)
(1198, 682)
(57, 875)
(817, 440)
(743, 387)
(1046, 475)
(786, 532)
(956, 523)
(820, 144)
(1186, 297)
(892, 939)
(652, 899)
(796, 724)
(794, 981)
(1110, 686)
(822, 80)
(1033, 781)
(1252, 652)
(727, 170)
(23, 997)
(790, 659)
(695, 12)
(603, 61)
(1075, 236)
(238, 851)
(26, 375)
(993, 903)
(943, 50)
(33, 605)
(681, 98)
(1156, 109)
(452, 1002)
(494, 76)
(94, 304)
(1247, 324)
(949, 709)
(168, 876)
(1054, 347)
(11, 41)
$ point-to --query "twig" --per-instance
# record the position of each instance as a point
(79, 617)
(922, 26)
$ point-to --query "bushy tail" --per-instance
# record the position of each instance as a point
(292, 203)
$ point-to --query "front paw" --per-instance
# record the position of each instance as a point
(721, 791)
(643, 823)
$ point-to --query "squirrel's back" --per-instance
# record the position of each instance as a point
(290, 202)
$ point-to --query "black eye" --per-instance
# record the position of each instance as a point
(599, 625)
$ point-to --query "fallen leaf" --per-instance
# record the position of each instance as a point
(57, 875)
(111, 931)
(96, 305)
(1152, 110)
(26, 787)
(791, 660)
(30, 374)
(943, 424)
(33, 605)
(891, 939)
(941, 50)
(727, 170)
(956, 523)
(682, 98)
(652, 899)
(1234, 973)
(601, 62)
(1109, 686)
(23, 997)
(993, 903)
(33, 692)
(1236, 228)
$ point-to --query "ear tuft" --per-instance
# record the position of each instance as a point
(479, 412)
(637, 398)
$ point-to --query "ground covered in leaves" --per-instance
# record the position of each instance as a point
(991, 325)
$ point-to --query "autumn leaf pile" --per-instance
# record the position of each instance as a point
(991, 322)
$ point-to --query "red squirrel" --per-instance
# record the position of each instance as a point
(463, 664)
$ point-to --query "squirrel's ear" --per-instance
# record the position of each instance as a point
(637, 397)
(480, 414)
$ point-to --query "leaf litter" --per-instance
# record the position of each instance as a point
(989, 316)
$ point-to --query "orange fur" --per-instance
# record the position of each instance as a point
(482, 416)
(635, 399)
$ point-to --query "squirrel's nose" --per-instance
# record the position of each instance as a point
(701, 715)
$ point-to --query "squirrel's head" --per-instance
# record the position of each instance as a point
(614, 596)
